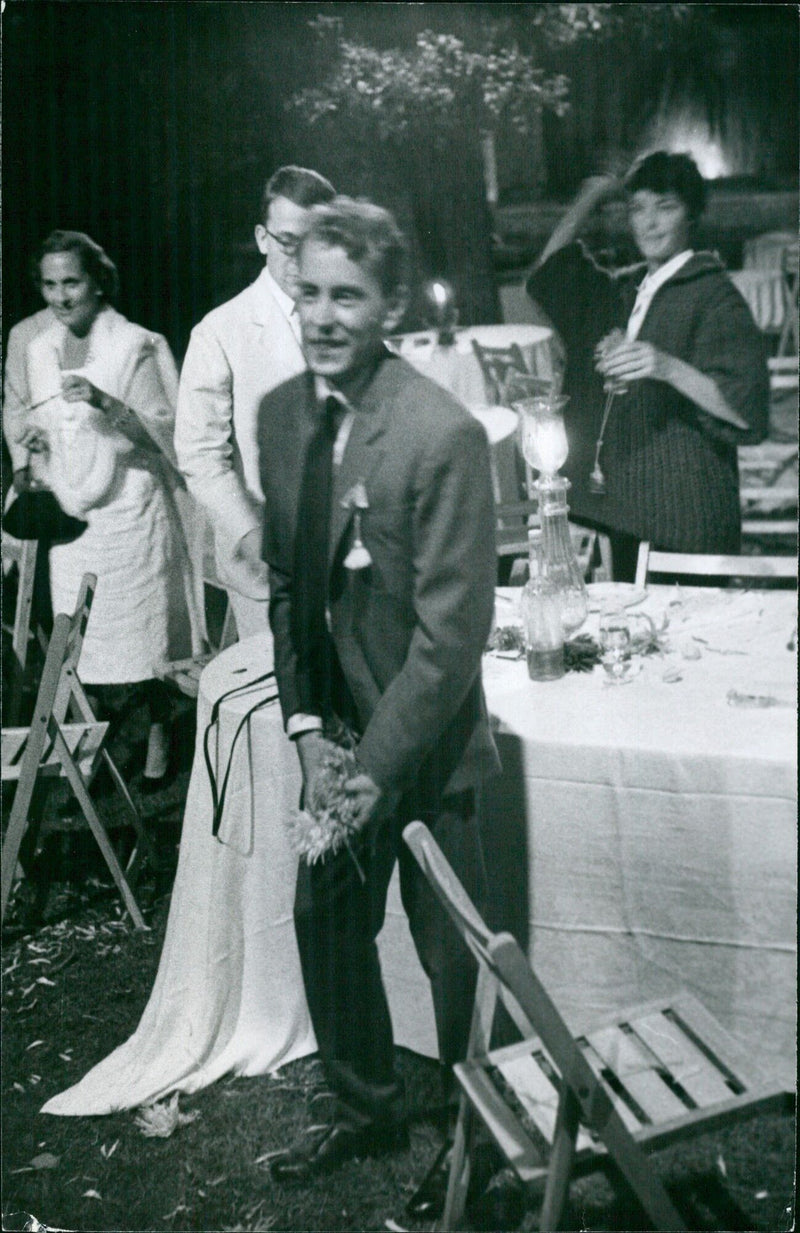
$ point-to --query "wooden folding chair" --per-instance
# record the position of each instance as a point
(688, 564)
(768, 473)
(653, 1074)
(505, 374)
(23, 554)
(52, 748)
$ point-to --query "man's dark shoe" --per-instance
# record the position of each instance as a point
(326, 1147)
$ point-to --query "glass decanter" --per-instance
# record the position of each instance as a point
(544, 444)
(558, 554)
(541, 617)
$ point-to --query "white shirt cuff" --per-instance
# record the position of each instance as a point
(299, 723)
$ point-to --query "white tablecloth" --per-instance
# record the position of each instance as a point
(456, 367)
(642, 836)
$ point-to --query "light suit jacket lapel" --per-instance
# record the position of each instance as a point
(275, 333)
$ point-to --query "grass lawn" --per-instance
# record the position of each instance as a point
(75, 987)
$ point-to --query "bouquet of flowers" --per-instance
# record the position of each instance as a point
(328, 821)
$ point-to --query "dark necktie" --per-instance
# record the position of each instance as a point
(312, 642)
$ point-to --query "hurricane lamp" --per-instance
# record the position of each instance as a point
(441, 310)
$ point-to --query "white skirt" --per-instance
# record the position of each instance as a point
(140, 616)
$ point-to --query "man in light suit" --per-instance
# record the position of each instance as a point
(388, 645)
(236, 354)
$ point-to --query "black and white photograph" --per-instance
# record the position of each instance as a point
(399, 616)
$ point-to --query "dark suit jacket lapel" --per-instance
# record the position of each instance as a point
(362, 454)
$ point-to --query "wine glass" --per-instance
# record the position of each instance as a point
(615, 642)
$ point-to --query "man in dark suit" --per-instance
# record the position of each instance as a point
(386, 644)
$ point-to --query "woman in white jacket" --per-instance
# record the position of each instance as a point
(100, 428)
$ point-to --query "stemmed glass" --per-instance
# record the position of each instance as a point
(615, 642)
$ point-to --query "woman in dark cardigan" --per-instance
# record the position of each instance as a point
(678, 341)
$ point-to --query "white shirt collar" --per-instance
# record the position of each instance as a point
(324, 390)
(650, 285)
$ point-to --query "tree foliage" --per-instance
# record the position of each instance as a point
(494, 78)
(433, 86)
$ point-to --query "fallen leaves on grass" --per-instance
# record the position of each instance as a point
(253, 1220)
(45, 1160)
(162, 1119)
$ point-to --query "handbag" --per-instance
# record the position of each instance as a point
(36, 514)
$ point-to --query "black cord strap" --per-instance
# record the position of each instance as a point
(218, 792)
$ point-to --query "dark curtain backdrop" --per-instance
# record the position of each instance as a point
(115, 119)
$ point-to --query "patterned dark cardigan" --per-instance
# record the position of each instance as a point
(671, 468)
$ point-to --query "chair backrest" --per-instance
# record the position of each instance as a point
(449, 890)
(505, 373)
(23, 554)
(513, 521)
(69, 688)
(679, 564)
(500, 953)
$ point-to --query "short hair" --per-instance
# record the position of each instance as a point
(299, 184)
(94, 260)
(367, 233)
(671, 173)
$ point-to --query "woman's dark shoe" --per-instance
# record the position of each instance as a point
(149, 786)
(325, 1147)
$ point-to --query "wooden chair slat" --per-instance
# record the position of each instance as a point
(632, 1123)
(536, 1093)
(633, 1067)
(677, 564)
(684, 1061)
(13, 744)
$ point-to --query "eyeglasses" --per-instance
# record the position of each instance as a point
(286, 243)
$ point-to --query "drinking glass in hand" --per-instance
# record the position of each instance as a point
(602, 353)
(615, 642)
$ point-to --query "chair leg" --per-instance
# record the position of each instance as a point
(458, 1181)
(19, 847)
(82, 707)
(98, 830)
(20, 813)
(22, 630)
(561, 1158)
(144, 848)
